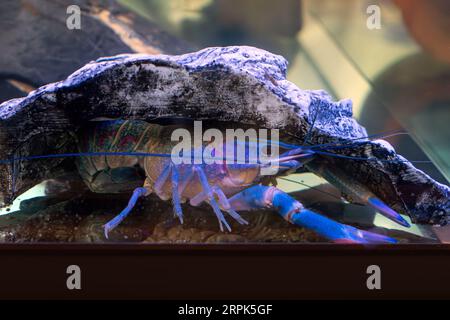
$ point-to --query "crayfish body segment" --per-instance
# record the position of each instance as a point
(228, 187)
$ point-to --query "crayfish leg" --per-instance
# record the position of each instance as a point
(207, 191)
(171, 170)
(110, 225)
(176, 197)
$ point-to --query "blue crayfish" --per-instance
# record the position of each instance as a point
(115, 154)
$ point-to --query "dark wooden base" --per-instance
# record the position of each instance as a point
(266, 271)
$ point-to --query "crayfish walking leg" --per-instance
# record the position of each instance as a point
(138, 192)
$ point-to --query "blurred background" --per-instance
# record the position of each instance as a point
(391, 57)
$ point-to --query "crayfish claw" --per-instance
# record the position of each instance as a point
(258, 197)
(335, 231)
(372, 237)
(386, 211)
(356, 191)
